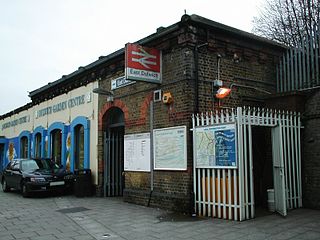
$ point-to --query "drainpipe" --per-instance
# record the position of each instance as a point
(196, 107)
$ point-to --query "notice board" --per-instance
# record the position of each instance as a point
(137, 152)
(170, 148)
(216, 146)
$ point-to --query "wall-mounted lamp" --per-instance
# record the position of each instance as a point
(223, 92)
(104, 92)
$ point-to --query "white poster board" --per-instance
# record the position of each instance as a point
(170, 148)
(137, 152)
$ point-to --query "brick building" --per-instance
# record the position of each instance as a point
(191, 50)
(195, 52)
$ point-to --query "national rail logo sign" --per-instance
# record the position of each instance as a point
(142, 63)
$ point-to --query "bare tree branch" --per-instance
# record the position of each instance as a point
(287, 21)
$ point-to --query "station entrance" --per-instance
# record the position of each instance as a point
(113, 153)
(241, 155)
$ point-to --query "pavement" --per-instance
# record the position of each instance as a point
(48, 217)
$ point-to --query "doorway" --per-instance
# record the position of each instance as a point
(262, 165)
(113, 153)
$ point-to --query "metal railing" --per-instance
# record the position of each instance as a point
(299, 67)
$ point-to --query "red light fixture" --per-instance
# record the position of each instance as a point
(223, 92)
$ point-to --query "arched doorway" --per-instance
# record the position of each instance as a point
(113, 152)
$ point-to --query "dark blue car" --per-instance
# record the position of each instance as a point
(35, 175)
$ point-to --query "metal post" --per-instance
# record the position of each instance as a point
(240, 163)
(105, 181)
(151, 150)
(194, 165)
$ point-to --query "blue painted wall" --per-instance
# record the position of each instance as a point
(12, 145)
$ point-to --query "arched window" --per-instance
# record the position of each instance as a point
(57, 143)
(80, 143)
(39, 137)
(3, 146)
(79, 147)
(56, 146)
(24, 146)
(37, 145)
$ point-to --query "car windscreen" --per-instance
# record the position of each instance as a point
(29, 165)
(35, 164)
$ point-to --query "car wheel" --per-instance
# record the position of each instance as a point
(24, 190)
(5, 187)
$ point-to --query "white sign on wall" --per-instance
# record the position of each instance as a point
(170, 148)
(120, 82)
(137, 152)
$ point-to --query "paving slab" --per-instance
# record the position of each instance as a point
(92, 218)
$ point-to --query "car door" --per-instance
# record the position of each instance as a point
(16, 175)
(7, 174)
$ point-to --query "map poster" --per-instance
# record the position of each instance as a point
(216, 146)
(170, 148)
(225, 147)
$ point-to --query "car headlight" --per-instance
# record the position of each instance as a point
(37, 179)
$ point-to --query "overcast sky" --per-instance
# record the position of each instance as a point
(41, 40)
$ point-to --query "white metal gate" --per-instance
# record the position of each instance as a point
(278, 171)
(227, 192)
